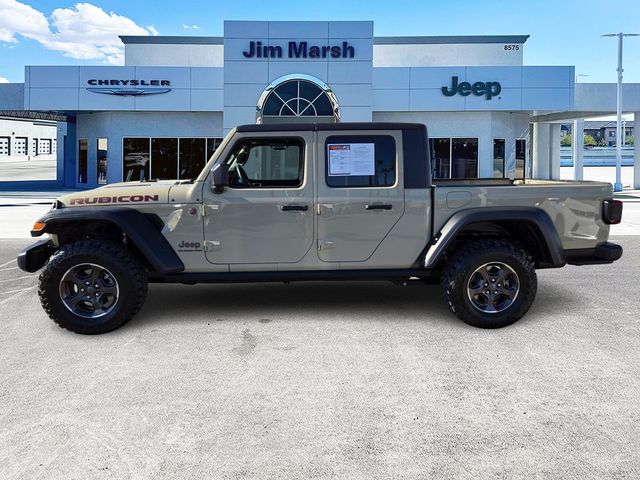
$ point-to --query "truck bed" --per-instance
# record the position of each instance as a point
(574, 207)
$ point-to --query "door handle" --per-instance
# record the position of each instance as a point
(378, 206)
(294, 208)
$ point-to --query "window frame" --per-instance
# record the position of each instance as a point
(301, 168)
(369, 136)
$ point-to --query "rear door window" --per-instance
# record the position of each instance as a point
(360, 161)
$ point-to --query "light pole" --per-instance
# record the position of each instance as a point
(617, 187)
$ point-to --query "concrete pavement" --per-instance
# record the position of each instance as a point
(327, 381)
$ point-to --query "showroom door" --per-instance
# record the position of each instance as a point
(360, 193)
(265, 215)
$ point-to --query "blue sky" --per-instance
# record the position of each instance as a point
(48, 32)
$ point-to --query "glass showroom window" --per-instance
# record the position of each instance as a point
(498, 157)
(464, 158)
(440, 157)
(192, 156)
(212, 146)
(101, 159)
(82, 160)
(383, 170)
(136, 153)
(454, 157)
(164, 158)
(521, 157)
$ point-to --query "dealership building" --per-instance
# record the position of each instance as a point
(165, 111)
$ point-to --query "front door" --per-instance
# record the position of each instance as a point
(360, 192)
(265, 215)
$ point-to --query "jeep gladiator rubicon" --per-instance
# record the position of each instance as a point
(317, 202)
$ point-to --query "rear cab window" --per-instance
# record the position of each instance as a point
(360, 161)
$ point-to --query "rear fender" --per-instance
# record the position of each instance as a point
(553, 255)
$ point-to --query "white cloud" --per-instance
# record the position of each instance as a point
(84, 32)
(190, 27)
(3, 80)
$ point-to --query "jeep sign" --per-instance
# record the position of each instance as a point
(488, 89)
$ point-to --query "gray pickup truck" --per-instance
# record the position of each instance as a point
(280, 203)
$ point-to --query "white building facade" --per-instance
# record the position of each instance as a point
(164, 112)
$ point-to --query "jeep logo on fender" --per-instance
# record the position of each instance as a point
(488, 89)
(118, 199)
(189, 246)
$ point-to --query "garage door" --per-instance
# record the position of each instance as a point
(4, 146)
(44, 146)
(20, 146)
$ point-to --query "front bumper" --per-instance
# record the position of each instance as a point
(33, 257)
(606, 252)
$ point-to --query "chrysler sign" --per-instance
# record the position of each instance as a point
(128, 87)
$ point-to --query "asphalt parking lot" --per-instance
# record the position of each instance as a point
(312, 380)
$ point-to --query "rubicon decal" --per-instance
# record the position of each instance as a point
(118, 199)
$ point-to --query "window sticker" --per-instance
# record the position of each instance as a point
(352, 159)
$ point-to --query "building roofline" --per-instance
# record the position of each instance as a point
(171, 39)
(415, 40)
(449, 39)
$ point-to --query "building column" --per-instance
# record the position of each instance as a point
(636, 151)
(577, 148)
(554, 151)
(541, 150)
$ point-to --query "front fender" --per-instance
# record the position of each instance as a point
(139, 228)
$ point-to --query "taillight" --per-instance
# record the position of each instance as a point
(612, 211)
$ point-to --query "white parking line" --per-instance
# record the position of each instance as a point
(19, 290)
(7, 269)
(9, 262)
(17, 278)
(16, 293)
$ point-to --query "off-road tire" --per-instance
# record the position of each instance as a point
(127, 269)
(459, 268)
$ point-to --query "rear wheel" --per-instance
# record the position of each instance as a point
(489, 283)
(92, 286)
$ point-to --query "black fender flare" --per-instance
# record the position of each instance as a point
(138, 227)
(459, 220)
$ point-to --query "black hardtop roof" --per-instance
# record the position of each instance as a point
(297, 127)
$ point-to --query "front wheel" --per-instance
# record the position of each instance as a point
(489, 283)
(92, 286)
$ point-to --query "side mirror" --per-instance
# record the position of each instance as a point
(219, 177)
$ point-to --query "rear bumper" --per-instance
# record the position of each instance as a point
(33, 257)
(606, 252)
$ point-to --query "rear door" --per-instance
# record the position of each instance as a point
(360, 192)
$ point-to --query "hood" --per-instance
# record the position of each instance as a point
(121, 194)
